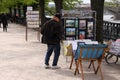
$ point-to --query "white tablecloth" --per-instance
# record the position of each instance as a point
(74, 42)
(66, 43)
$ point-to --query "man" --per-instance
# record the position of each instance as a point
(52, 35)
(4, 22)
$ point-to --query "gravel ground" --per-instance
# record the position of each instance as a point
(24, 60)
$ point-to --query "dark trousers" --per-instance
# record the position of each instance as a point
(4, 28)
(56, 48)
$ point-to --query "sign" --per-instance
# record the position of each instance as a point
(32, 19)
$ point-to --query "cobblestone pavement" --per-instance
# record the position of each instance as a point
(24, 60)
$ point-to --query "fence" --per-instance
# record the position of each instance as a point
(111, 30)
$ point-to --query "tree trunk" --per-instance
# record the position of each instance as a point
(24, 10)
(42, 11)
(98, 6)
(58, 5)
(10, 10)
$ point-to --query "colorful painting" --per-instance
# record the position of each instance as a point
(70, 23)
(90, 29)
(82, 35)
(82, 24)
(70, 31)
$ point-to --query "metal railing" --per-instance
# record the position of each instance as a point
(111, 30)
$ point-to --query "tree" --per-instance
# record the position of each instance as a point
(58, 5)
(42, 11)
(98, 6)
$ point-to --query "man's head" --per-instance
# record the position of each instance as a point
(57, 16)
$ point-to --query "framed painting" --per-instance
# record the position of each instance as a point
(81, 35)
(82, 24)
(70, 31)
(70, 23)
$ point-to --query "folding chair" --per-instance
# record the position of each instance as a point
(73, 53)
(90, 52)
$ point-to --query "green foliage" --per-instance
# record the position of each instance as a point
(3, 3)
(70, 4)
(113, 4)
(67, 5)
(6, 4)
(49, 10)
(29, 2)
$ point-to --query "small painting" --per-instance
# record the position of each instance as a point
(82, 24)
(90, 29)
(70, 31)
(82, 35)
(70, 23)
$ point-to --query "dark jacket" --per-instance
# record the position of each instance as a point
(4, 20)
(51, 31)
